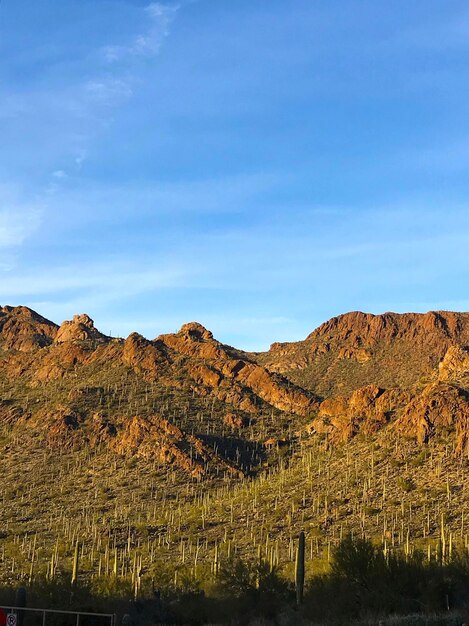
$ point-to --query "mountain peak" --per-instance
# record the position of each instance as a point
(24, 330)
(80, 328)
(196, 331)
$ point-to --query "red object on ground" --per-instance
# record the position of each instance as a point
(3, 617)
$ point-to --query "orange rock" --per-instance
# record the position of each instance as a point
(440, 406)
(145, 357)
(193, 340)
(275, 443)
(158, 438)
(388, 350)
(234, 420)
(24, 330)
(196, 331)
(80, 328)
(454, 364)
(343, 417)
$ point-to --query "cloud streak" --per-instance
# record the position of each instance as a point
(101, 282)
(19, 219)
(63, 118)
(149, 42)
(66, 112)
(266, 175)
(16, 225)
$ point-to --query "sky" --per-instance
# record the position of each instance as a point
(258, 166)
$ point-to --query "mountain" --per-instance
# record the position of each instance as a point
(91, 388)
(356, 373)
(182, 445)
(356, 349)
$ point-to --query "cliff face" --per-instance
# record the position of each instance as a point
(187, 400)
(408, 372)
(365, 411)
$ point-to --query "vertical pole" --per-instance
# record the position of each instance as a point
(43, 618)
(78, 619)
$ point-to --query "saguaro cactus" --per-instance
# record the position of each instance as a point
(300, 569)
(75, 564)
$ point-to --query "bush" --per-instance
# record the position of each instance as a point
(357, 560)
(363, 583)
(247, 590)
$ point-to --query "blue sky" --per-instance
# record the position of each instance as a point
(256, 165)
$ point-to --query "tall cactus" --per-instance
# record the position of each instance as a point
(300, 569)
(75, 564)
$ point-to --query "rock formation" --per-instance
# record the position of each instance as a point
(366, 411)
(24, 330)
(80, 328)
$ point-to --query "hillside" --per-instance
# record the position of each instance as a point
(358, 349)
(180, 451)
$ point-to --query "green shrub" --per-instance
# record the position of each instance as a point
(406, 484)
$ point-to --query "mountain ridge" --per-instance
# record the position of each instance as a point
(405, 346)
(356, 373)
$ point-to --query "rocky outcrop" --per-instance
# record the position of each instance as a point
(66, 359)
(24, 330)
(59, 362)
(455, 364)
(235, 421)
(80, 328)
(438, 409)
(145, 357)
(366, 411)
(196, 331)
(193, 340)
(208, 382)
(158, 438)
(358, 354)
(63, 426)
(150, 437)
(76, 385)
(366, 330)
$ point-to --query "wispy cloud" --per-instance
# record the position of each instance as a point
(18, 218)
(116, 83)
(67, 113)
(16, 226)
(108, 91)
(149, 42)
(101, 282)
(65, 116)
(291, 175)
